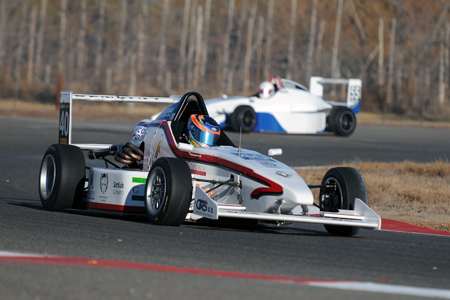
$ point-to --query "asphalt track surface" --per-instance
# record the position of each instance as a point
(82, 256)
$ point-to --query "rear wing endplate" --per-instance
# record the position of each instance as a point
(353, 90)
(66, 103)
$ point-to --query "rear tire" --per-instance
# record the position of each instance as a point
(62, 177)
(245, 117)
(342, 121)
(341, 187)
(168, 192)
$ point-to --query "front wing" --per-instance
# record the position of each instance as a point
(362, 215)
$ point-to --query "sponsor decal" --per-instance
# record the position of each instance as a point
(268, 164)
(281, 173)
(197, 169)
(139, 180)
(118, 185)
(253, 156)
(202, 205)
(63, 141)
(136, 194)
(158, 149)
(137, 198)
(103, 182)
(139, 132)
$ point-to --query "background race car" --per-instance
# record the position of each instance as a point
(291, 108)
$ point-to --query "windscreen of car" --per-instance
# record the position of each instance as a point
(169, 112)
(292, 85)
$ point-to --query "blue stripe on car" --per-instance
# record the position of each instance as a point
(356, 108)
(267, 122)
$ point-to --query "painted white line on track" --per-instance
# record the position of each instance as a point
(385, 288)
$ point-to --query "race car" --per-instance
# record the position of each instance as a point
(286, 106)
(182, 168)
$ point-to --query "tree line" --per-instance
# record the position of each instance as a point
(399, 48)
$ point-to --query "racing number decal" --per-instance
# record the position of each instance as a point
(64, 123)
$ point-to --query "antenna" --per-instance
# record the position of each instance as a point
(240, 137)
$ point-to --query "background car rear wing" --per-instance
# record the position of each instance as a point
(353, 90)
(65, 111)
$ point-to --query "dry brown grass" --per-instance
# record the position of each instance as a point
(410, 192)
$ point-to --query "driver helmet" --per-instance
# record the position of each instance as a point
(202, 131)
(266, 89)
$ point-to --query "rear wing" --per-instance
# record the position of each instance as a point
(353, 90)
(65, 111)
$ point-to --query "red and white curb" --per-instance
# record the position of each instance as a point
(335, 284)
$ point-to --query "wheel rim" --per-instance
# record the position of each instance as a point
(247, 119)
(347, 122)
(156, 191)
(47, 176)
(331, 196)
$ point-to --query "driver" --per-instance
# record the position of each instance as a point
(202, 131)
(266, 89)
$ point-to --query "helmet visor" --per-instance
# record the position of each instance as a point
(203, 137)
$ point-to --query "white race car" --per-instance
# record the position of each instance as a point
(159, 174)
(291, 108)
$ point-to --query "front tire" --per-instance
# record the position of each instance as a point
(342, 121)
(243, 116)
(168, 192)
(61, 177)
(340, 188)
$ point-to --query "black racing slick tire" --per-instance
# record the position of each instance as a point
(342, 121)
(340, 188)
(62, 177)
(168, 192)
(243, 116)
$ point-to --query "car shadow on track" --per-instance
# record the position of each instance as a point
(251, 226)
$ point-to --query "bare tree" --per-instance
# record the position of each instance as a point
(259, 37)
(337, 33)
(183, 43)
(442, 70)
(390, 82)
(191, 51)
(142, 37)
(3, 19)
(226, 46)
(268, 50)
(162, 44)
(31, 43)
(312, 40)
(99, 39)
(121, 43)
(380, 57)
(198, 45)
(320, 45)
(62, 37)
(40, 38)
(81, 51)
(291, 39)
(205, 38)
(18, 58)
(248, 53)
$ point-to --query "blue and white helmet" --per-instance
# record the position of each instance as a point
(202, 131)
